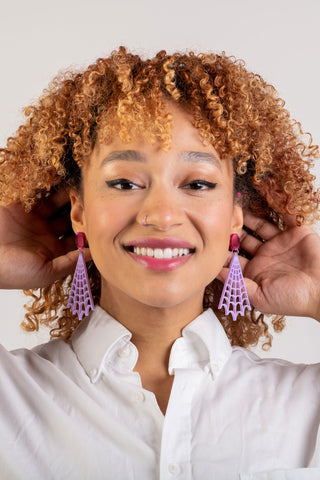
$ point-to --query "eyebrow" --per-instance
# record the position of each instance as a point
(127, 155)
(201, 157)
(136, 156)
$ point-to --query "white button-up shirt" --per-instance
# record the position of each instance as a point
(78, 410)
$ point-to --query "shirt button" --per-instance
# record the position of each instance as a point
(124, 352)
(93, 372)
(215, 368)
(173, 469)
(138, 396)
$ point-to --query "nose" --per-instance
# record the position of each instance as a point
(161, 208)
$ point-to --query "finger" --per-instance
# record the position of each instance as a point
(62, 226)
(67, 244)
(259, 300)
(54, 202)
(254, 294)
(290, 220)
(261, 227)
(249, 243)
(65, 265)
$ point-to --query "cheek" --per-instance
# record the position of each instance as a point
(216, 239)
(216, 222)
(105, 220)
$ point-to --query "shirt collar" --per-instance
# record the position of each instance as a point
(203, 344)
(95, 337)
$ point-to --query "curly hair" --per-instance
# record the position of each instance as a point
(124, 95)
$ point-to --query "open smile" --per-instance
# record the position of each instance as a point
(160, 254)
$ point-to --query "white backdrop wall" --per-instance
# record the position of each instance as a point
(280, 39)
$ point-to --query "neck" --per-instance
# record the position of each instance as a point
(154, 329)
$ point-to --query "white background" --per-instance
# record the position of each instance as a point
(280, 39)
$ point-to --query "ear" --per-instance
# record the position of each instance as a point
(77, 216)
(237, 219)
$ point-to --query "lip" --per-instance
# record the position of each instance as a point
(160, 264)
(154, 242)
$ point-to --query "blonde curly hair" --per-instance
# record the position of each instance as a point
(124, 95)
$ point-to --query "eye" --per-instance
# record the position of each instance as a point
(200, 185)
(122, 184)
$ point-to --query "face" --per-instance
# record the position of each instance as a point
(185, 197)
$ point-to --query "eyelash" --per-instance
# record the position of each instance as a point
(203, 183)
(121, 182)
(124, 181)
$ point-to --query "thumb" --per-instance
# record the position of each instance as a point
(66, 264)
(253, 292)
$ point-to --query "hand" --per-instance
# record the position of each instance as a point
(283, 276)
(37, 248)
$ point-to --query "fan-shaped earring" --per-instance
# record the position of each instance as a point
(80, 299)
(234, 297)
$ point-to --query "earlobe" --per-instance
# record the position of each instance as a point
(77, 213)
(237, 219)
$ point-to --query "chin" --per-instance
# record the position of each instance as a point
(162, 302)
(165, 299)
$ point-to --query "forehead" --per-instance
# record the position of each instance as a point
(182, 142)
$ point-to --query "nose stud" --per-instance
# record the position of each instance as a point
(144, 221)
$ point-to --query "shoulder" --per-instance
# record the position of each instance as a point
(38, 379)
(38, 364)
(43, 351)
(250, 358)
(276, 373)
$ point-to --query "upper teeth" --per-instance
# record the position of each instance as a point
(161, 252)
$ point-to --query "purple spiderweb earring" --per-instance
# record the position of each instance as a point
(80, 299)
(234, 297)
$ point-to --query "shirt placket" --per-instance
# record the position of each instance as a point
(175, 457)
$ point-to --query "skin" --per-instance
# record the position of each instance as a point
(284, 273)
(283, 276)
(163, 187)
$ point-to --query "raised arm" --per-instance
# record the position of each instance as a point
(283, 276)
(36, 248)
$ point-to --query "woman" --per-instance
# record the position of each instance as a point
(162, 160)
